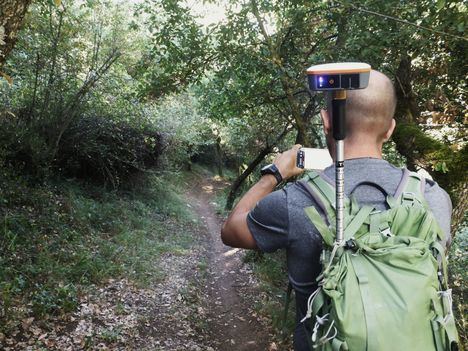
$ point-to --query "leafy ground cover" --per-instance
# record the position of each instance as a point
(458, 280)
(57, 239)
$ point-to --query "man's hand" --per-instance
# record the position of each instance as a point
(286, 162)
(235, 231)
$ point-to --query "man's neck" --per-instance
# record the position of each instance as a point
(349, 154)
(358, 150)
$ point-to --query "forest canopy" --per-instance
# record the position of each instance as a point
(100, 88)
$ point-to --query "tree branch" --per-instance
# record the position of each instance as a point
(71, 110)
(252, 165)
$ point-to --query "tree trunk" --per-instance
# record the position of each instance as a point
(243, 176)
(219, 156)
(423, 151)
(70, 111)
(304, 126)
(11, 18)
(302, 137)
(250, 168)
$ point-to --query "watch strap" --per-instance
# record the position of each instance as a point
(272, 169)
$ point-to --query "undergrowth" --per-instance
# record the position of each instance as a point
(59, 237)
(458, 280)
(272, 273)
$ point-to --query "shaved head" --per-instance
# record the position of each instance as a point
(369, 112)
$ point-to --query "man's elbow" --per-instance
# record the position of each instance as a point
(236, 235)
(226, 234)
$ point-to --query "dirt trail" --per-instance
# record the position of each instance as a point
(202, 299)
(230, 286)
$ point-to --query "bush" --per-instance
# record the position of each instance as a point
(107, 151)
(92, 148)
(57, 239)
(458, 278)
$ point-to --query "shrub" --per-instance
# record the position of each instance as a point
(107, 151)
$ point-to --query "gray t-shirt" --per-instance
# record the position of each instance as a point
(278, 221)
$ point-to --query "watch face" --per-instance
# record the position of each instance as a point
(272, 169)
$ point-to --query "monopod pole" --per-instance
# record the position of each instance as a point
(337, 78)
(339, 134)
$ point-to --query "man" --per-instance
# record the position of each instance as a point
(267, 220)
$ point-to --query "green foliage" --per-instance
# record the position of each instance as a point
(58, 238)
(178, 51)
(438, 79)
(391, 155)
(186, 128)
(458, 278)
(108, 151)
(247, 91)
(73, 107)
(52, 300)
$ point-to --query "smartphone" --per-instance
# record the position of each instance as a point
(310, 158)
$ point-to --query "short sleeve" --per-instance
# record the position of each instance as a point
(441, 207)
(268, 222)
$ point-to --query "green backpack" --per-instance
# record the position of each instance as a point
(385, 287)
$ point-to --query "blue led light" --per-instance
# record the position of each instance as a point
(320, 81)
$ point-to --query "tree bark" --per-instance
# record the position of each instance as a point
(11, 18)
(219, 156)
(423, 151)
(305, 131)
(250, 168)
(243, 176)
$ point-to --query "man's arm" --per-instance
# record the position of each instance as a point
(235, 231)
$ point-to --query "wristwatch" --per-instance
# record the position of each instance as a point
(272, 169)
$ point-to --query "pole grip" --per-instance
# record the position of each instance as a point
(339, 116)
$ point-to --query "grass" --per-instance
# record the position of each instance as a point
(57, 238)
(272, 273)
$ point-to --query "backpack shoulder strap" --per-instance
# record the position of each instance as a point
(411, 189)
(321, 191)
(323, 194)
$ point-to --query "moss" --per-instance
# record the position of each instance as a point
(421, 149)
(411, 134)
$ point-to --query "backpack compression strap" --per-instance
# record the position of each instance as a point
(324, 196)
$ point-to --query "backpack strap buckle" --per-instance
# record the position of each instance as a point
(351, 245)
(408, 197)
(386, 232)
(411, 188)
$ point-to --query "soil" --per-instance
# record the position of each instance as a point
(231, 288)
(203, 300)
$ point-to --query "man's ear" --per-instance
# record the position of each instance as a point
(326, 121)
(390, 130)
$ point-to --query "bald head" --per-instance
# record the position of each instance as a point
(369, 112)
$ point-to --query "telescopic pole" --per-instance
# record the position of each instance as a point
(339, 134)
(337, 78)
